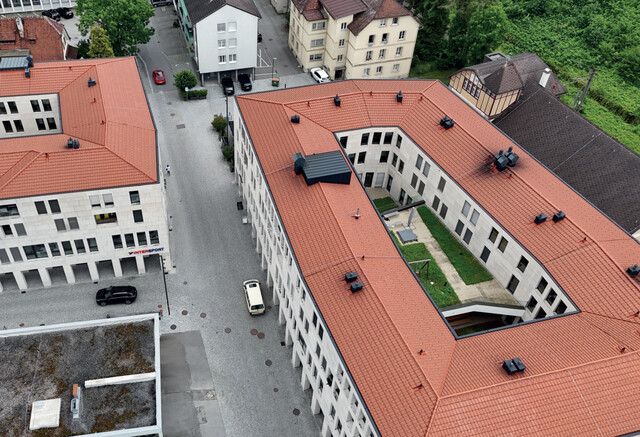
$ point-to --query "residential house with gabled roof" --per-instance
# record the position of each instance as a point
(44, 38)
(353, 38)
(222, 35)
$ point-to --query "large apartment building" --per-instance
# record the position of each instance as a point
(80, 186)
(353, 39)
(378, 355)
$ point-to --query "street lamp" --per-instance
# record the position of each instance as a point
(273, 64)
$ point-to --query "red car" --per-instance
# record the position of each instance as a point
(158, 76)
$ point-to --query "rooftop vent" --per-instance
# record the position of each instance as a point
(513, 366)
(336, 100)
(295, 119)
(350, 277)
(503, 160)
(545, 77)
(399, 97)
(540, 218)
(92, 82)
(634, 270)
(356, 286)
(76, 144)
(30, 60)
(298, 162)
(70, 143)
(512, 157)
(558, 216)
(446, 122)
(27, 73)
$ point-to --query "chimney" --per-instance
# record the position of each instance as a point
(545, 77)
(298, 162)
(20, 27)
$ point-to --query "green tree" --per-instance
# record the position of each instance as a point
(487, 27)
(185, 78)
(629, 65)
(126, 22)
(100, 46)
(434, 21)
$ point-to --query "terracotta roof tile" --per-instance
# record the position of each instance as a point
(380, 329)
(116, 132)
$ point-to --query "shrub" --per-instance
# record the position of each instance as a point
(185, 78)
(196, 93)
(219, 123)
(227, 153)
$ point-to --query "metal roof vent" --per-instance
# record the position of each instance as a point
(558, 216)
(350, 277)
(30, 60)
(356, 286)
(540, 218)
(513, 366)
(92, 82)
(27, 73)
(76, 144)
(634, 270)
(298, 162)
(70, 143)
(399, 97)
(446, 122)
(295, 119)
(501, 161)
(512, 157)
(336, 100)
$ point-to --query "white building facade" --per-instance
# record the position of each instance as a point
(9, 6)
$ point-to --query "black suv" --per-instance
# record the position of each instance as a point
(227, 86)
(65, 12)
(51, 13)
(245, 82)
(116, 294)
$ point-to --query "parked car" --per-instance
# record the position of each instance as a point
(227, 86)
(116, 294)
(65, 12)
(51, 13)
(158, 77)
(319, 75)
(253, 296)
(245, 82)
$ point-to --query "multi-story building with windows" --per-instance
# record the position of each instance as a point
(353, 39)
(378, 355)
(10, 6)
(80, 191)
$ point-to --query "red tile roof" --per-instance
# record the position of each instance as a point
(111, 120)
(46, 33)
(579, 380)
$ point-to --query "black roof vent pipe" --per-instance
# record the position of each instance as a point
(336, 100)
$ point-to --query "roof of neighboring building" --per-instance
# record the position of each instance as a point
(200, 9)
(376, 10)
(111, 120)
(343, 8)
(310, 9)
(42, 37)
(505, 74)
(415, 376)
(597, 166)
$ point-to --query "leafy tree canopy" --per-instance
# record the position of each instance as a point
(126, 22)
(100, 46)
(185, 78)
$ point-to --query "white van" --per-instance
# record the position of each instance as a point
(253, 296)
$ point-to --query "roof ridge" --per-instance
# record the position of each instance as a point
(14, 171)
(106, 133)
(610, 334)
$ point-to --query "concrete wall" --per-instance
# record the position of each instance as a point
(42, 229)
(280, 6)
(28, 116)
(207, 38)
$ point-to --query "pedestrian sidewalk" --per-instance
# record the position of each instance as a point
(489, 291)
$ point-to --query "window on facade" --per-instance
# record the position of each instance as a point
(35, 251)
(402, 196)
(541, 314)
(41, 207)
(361, 157)
(484, 256)
(396, 67)
(343, 26)
(474, 217)
(54, 205)
(493, 235)
(95, 201)
(8, 128)
(233, 42)
(343, 142)
(352, 158)
(441, 184)
(18, 125)
(12, 107)
(40, 124)
(134, 196)
(532, 304)
(117, 241)
(93, 244)
(142, 238)
(222, 59)
(465, 208)
(17, 256)
(46, 105)
(73, 223)
(110, 217)
(153, 237)
(459, 227)
(232, 27)
(107, 199)
(394, 21)
(60, 225)
(385, 38)
(467, 236)
(4, 258)
(436, 203)
(398, 51)
(368, 55)
(561, 308)
(340, 58)
(51, 123)
(421, 188)
(66, 246)
(383, 22)
(3, 109)
(384, 156)
(364, 139)
(419, 162)
(513, 284)
(222, 43)
(341, 43)
(414, 180)
(379, 70)
(542, 285)
(233, 57)
(522, 265)
(388, 137)
(128, 238)
(372, 39)
(7, 231)
(319, 26)
(377, 137)
(222, 27)
(137, 216)
(315, 57)
(365, 72)
(320, 332)
(399, 141)
(401, 166)
(551, 297)
(402, 35)
(35, 105)
(20, 230)
(79, 246)
(317, 42)
(394, 160)
(503, 244)
(443, 211)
